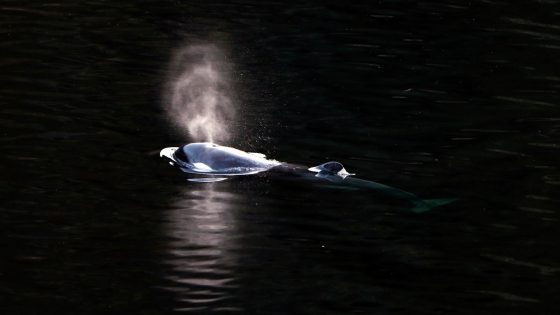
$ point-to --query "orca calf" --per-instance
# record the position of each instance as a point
(218, 162)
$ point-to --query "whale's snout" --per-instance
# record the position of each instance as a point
(168, 152)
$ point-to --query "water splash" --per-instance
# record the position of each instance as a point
(199, 94)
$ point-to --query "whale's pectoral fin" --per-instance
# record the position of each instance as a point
(258, 154)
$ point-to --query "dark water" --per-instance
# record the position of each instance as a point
(444, 99)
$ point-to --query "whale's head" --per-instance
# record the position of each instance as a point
(206, 157)
(196, 152)
(192, 152)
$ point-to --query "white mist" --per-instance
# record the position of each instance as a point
(198, 96)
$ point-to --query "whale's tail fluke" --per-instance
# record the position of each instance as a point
(425, 205)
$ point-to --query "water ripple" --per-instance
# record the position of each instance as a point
(201, 226)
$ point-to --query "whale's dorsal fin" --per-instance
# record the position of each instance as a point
(258, 154)
(330, 168)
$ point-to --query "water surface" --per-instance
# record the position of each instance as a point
(443, 99)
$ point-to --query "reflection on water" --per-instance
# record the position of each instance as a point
(201, 227)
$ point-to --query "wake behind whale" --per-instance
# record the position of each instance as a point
(217, 163)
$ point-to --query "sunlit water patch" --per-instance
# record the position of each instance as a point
(201, 227)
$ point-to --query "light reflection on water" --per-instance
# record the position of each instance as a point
(201, 226)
